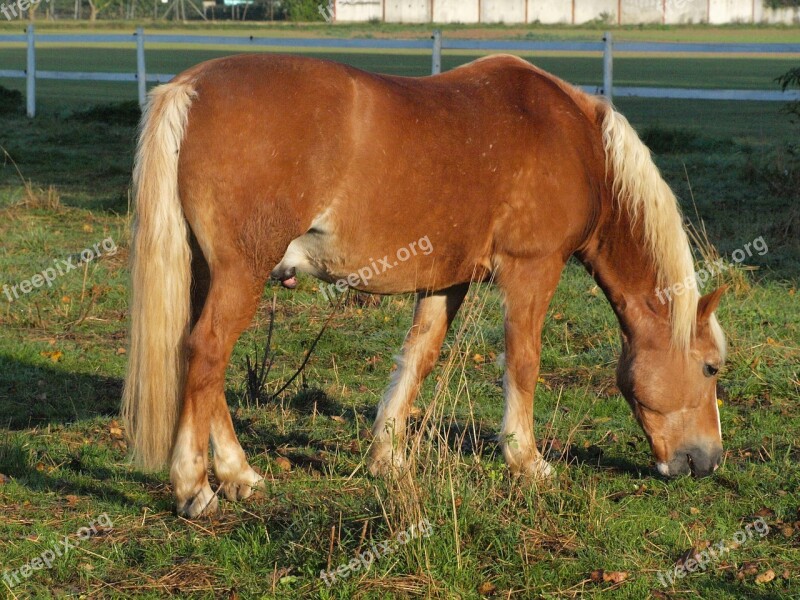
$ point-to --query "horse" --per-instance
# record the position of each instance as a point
(254, 167)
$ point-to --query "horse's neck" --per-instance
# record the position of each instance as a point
(616, 257)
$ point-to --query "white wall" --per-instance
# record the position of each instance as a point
(731, 11)
(687, 11)
(642, 11)
(359, 10)
(553, 11)
(407, 11)
(503, 11)
(564, 11)
(455, 11)
(589, 10)
(780, 15)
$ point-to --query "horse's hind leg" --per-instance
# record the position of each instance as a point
(528, 287)
(229, 307)
(230, 463)
(432, 316)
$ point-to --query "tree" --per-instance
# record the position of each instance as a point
(791, 79)
(97, 6)
(304, 10)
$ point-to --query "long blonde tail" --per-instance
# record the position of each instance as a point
(160, 281)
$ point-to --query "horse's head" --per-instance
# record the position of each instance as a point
(673, 393)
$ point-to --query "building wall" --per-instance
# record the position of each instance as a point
(407, 11)
(455, 11)
(359, 10)
(564, 11)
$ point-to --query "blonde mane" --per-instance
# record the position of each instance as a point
(639, 187)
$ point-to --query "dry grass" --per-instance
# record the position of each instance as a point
(33, 196)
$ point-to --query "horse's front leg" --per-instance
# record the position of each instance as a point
(432, 316)
(528, 287)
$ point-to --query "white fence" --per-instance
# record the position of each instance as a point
(437, 44)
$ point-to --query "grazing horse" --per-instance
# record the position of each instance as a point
(261, 165)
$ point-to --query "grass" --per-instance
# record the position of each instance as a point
(63, 454)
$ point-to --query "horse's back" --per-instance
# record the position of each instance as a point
(473, 159)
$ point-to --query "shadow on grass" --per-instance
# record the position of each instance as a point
(33, 395)
(83, 475)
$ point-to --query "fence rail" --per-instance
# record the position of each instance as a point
(436, 45)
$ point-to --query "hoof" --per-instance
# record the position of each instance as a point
(528, 463)
(385, 461)
(204, 502)
(537, 469)
(241, 490)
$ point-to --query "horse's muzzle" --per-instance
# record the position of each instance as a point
(698, 460)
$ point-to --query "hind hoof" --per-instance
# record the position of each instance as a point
(205, 503)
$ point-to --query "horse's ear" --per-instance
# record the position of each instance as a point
(709, 303)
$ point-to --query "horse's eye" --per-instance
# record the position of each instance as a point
(710, 370)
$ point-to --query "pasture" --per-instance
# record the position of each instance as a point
(606, 526)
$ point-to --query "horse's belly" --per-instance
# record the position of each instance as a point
(345, 255)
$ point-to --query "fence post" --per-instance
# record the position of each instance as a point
(608, 65)
(30, 72)
(437, 52)
(141, 74)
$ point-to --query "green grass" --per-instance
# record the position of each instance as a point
(63, 459)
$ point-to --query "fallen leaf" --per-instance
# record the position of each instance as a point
(487, 588)
(283, 463)
(338, 419)
(596, 576)
(121, 351)
(88, 228)
(693, 510)
(53, 356)
(765, 512)
(71, 499)
(478, 358)
(749, 568)
(3, 479)
(765, 577)
(787, 531)
(615, 576)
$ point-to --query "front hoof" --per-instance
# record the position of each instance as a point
(205, 502)
(234, 491)
(385, 461)
(536, 469)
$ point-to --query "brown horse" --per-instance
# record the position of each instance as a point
(252, 166)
